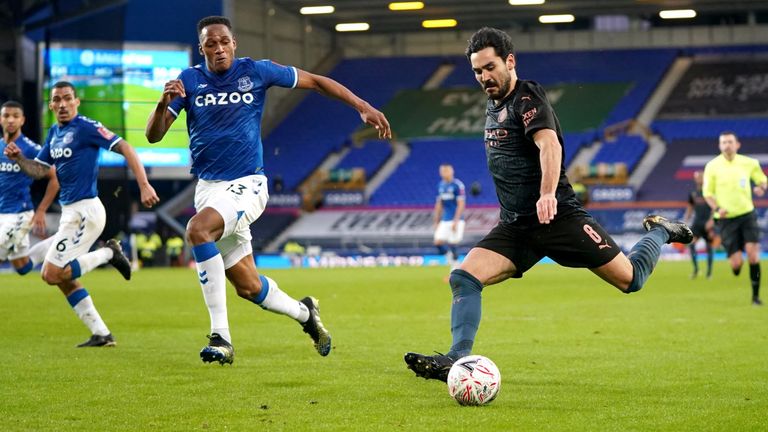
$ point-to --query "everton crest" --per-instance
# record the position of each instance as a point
(244, 83)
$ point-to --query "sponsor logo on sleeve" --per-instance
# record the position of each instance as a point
(106, 133)
(528, 116)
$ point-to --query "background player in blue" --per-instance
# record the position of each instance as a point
(540, 215)
(72, 146)
(449, 214)
(17, 216)
(224, 100)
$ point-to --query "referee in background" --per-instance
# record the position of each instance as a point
(728, 180)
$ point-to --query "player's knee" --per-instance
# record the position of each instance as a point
(197, 233)
(627, 282)
(462, 279)
(51, 276)
(626, 286)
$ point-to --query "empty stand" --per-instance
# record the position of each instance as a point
(370, 156)
(628, 149)
(320, 125)
(415, 181)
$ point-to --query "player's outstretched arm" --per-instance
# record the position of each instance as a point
(32, 168)
(38, 219)
(333, 89)
(148, 196)
(161, 119)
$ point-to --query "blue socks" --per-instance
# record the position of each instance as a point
(644, 256)
(26, 269)
(259, 299)
(204, 252)
(74, 266)
(465, 312)
(76, 296)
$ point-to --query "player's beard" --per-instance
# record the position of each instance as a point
(503, 88)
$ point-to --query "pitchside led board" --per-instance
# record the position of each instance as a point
(119, 85)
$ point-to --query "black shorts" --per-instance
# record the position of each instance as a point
(575, 240)
(735, 232)
(700, 231)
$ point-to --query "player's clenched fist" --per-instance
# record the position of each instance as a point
(12, 151)
(173, 89)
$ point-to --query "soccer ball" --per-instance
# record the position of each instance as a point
(474, 380)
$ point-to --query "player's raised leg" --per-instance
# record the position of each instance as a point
(630, 272)
(266, 293)
(68, 258)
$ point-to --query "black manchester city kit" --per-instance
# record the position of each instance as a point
(701, 214)
(573, 238)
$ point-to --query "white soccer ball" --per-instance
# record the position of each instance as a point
(474, 380)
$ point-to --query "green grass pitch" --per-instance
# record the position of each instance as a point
(574, 355)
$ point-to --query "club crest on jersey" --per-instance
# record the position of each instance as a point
(244, 83)
(68, 137)
(502, 115)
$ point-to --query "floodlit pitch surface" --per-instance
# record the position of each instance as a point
(574, 355)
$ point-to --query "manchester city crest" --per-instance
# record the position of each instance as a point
(244, 83)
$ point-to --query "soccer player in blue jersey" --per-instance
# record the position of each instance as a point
(72, 146)
(17, 215)
(449, 214)
(224, 100)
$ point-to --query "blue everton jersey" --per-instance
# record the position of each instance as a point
(14, 184)
(74, 149)
(449, 193)
(224, 115)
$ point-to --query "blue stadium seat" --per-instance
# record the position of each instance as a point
(626, 148)
(415, 181)
(370, 156)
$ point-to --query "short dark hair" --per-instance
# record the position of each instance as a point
(65, 84)
(729, 132)
(13, 104)
(490, 37)
(211, 20)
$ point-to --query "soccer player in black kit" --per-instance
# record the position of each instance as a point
(702, 224)
(540, 215)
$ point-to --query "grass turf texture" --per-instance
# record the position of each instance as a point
(574, 355)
